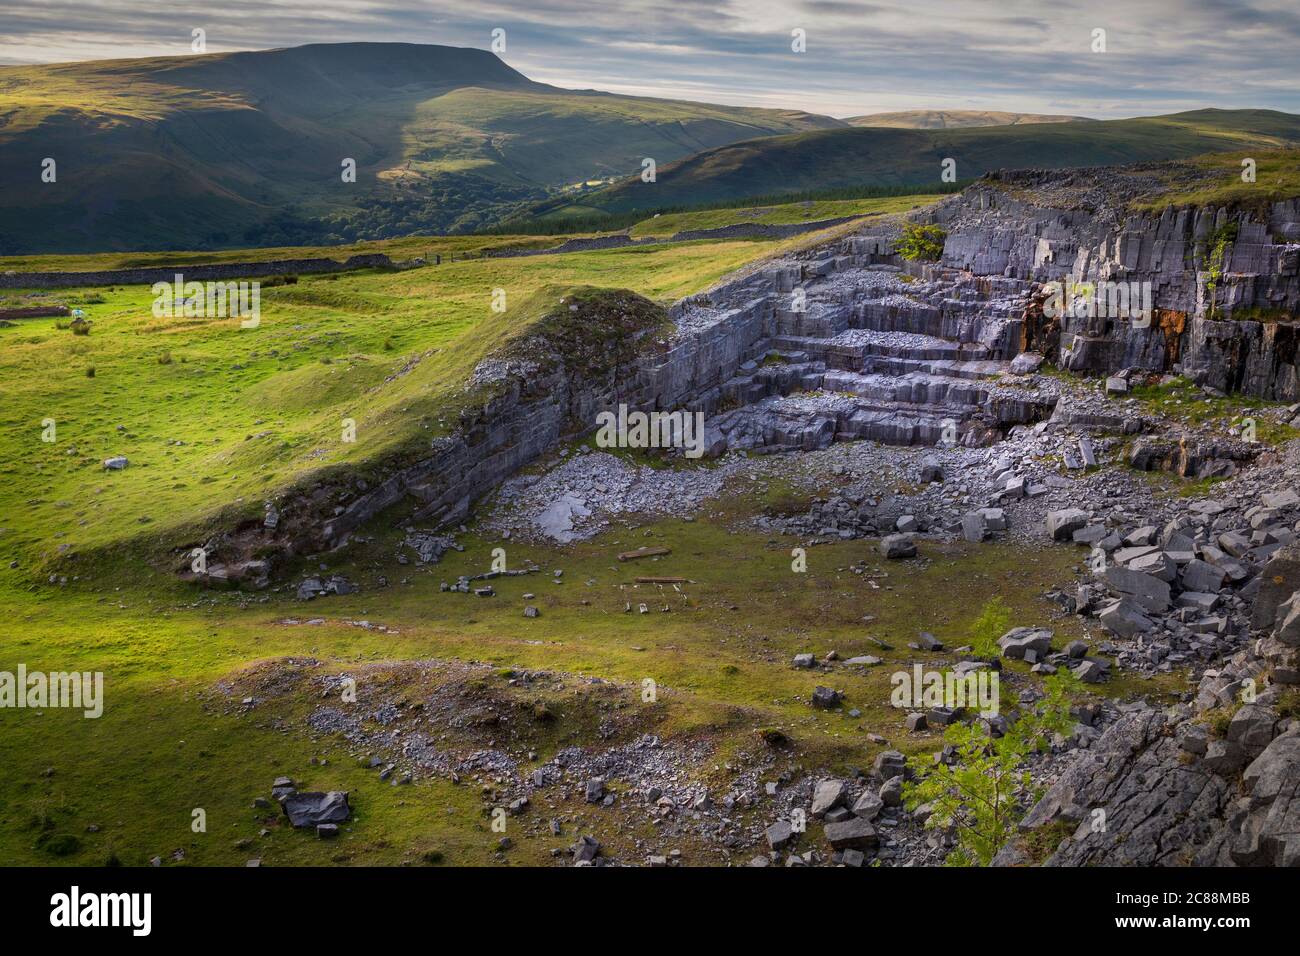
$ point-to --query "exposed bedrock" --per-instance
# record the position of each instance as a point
(1236, 334)
(840, 343)
(1215, 782)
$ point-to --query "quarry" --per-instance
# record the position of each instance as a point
(644, 588)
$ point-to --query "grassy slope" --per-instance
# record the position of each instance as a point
(831, 159)
(812, 211)
(256, 409)
(1277, 177)
(956, 119)
(399, 250)
(202, 149)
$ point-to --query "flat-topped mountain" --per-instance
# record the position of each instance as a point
(247, 148)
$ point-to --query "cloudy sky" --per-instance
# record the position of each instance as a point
(862, 56)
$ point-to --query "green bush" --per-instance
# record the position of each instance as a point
(981, 793)
(921, 242)
(65, 844)
(993, 622)
(1224, 236)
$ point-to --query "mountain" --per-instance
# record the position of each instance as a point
(859, 157)
(247, 148)
(956, 119)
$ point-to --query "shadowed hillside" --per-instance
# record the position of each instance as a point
(873, 157)
(246, 148)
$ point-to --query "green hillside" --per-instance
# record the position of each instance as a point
(956, 119)
(245, 149)
(215, 417)
(868, 157)
(784, 214)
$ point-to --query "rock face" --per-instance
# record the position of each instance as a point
(835, 345)
(1166, 788)
(1073, 226)
(847, 341)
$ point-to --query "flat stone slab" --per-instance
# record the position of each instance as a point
(856, 833)
(1144, 590)
(311, 809)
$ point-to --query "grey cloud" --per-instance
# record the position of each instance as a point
(862, 56)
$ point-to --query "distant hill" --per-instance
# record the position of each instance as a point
(861, 157)
(235, 149)
(956, 119)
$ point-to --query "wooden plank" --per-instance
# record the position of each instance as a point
(643, 553)
(663, 581)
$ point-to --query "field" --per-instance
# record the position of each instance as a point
(213, 416)
(175, 737)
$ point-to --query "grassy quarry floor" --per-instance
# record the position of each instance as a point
(175, 735)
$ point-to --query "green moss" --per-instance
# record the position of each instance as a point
(1182, 401)
(1041, 842)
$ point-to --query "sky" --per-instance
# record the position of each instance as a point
(872, 56)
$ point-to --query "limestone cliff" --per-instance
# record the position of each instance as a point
(1224, 281)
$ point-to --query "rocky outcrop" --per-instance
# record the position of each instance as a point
(1212, 783)
(846, 341)
(1078, 228)
(836, 344)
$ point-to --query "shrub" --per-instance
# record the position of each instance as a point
(1219, 242)
(980, 793)
(90, 371)
(65, 844)
(993, 622)
(165, 358)
(79, 326)
(923, 242)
